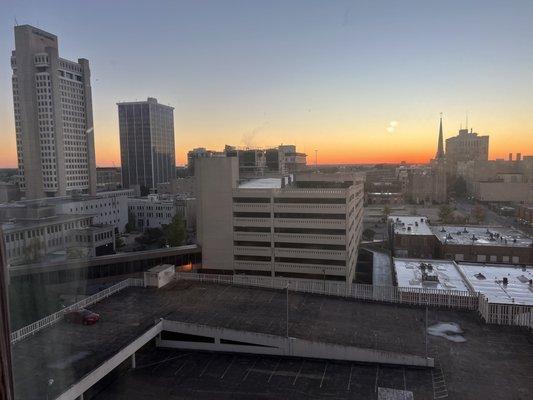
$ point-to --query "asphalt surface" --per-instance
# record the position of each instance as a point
(493, 363)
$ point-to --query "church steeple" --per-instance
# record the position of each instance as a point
(440, 146)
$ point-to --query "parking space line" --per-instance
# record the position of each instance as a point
(298, 374)
(273, 371)
(207, 366)
(377, 376)
(227, 368)
(180, 368)
(324, 374)
(350, 378)
(249, 370)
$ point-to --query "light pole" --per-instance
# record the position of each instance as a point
(324, 280)
(287, 311)
(426, 330)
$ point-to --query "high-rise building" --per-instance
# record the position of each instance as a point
(53, 117)
(146, 143)
(466, 146)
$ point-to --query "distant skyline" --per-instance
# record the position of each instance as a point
(361, 81)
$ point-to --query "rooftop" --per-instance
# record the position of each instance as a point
(410, 225)
(261, 183)
(472, 368)
(488, 280)
(428, 274)
(481, 235)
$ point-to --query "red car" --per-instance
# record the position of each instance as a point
(82, 316)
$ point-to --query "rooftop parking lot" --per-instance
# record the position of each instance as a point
(492, 361)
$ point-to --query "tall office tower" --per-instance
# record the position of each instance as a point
(466, 146)
(53, 117)
(146, 143)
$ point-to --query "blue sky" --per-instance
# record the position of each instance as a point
(320, 74)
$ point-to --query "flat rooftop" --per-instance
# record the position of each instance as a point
(481, 236)
(472, 369)
(261, 183)
(410, 273)
(410, 225)
(488, 279)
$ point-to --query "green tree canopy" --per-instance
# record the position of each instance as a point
(175, 232)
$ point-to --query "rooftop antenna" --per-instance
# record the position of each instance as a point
(316, 159)
(16, 22)
(466, 127)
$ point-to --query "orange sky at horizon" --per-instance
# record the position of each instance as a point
(336, 148)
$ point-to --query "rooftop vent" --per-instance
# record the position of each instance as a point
(480, 276)
(443, 230)
(505, 280)
(465, 230)
(474, 238)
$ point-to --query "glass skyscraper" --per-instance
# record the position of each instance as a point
(146, 143)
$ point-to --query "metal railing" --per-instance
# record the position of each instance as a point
(51, 319)
(389, 294)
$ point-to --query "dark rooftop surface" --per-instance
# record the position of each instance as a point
(494, 362)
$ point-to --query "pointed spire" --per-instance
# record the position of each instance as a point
(440, 146)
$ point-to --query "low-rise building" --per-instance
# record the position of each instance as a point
(35, 233)
(414, 237)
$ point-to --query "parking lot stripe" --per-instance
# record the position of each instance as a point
(298, 374)
(249, 370)
(323, 374)
(273, 371)
(227, 368)
(207, 366)
(350, 378)
(180, 368)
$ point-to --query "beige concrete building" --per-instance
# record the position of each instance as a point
(53, 117)
(466, 146)
(303, 225)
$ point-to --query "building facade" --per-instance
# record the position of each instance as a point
(308, 226)
(53, 117)
(466, 146)
(146, 143)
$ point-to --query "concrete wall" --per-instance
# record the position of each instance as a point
(215, 177)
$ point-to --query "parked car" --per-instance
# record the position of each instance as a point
(82, 316)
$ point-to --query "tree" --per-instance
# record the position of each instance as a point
(130, 226)
(119, 242)
(150, 236)
(386, 212)
(478, 214)
(175, 232)
(445, 213)
(368, 234)
(458, 187)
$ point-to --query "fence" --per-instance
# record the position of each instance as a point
(389, 294)
(505, 314)
(36, 326)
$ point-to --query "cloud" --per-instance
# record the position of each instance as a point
(392, 126)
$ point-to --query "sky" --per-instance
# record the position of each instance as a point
(359, 81)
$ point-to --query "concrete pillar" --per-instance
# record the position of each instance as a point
(133, 361)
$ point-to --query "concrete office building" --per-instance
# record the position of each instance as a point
(307, 225)
(146, 143)
(53, 117)
(35, 233)
(466, 146)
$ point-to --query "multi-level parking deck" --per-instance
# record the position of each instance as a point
(493, 362)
